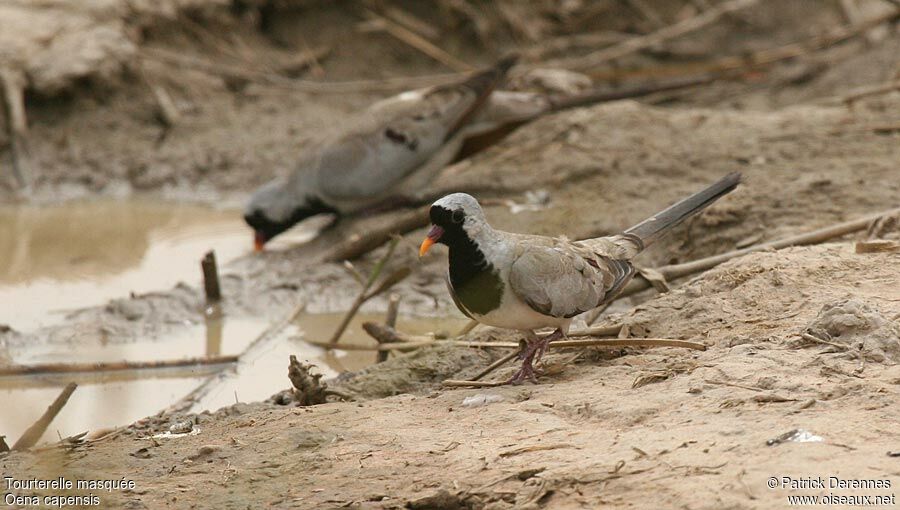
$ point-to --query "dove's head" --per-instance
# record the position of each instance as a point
(278, 206)
(455, 217)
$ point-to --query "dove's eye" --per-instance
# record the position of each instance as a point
(457, 216)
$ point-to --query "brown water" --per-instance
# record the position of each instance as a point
(119, 398)
(263, 372)
(57, 258)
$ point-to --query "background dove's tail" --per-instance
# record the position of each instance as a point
(482, 83)
(654, 227)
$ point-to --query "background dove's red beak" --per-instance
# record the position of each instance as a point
(259, 241)
(433, 235)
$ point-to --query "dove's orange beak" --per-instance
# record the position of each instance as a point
(433, 235)
(259, 241)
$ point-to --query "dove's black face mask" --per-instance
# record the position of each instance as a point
(466, 259)
(266, 229)
(450, 224)
(475, 282)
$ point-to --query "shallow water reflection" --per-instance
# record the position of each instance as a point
(118, 398)
(55, 258)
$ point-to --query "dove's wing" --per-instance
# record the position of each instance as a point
(565, 280)
(396, 137)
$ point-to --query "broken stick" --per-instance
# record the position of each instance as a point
(595, 342)
(263, 339)
(390, 321)
(308, 390)
(621, 342)
(211, 278)
(497, 364)
(34, 432)
(600, 96)
(636, 44)
(418, 42)
(455, 383)
(360, 244)
(105, 366)
(276, 80)
(817, 236)
(872, 90)
(365, 294)
(12, 87)
(168, 113)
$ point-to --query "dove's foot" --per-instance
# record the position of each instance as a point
(527, 372)
(534, 350)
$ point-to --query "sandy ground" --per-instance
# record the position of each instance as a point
(625, 428)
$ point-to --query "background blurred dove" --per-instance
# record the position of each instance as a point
(393, 150)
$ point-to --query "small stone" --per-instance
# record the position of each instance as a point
(208, 449)
(182, 427)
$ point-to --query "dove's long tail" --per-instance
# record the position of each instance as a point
(482, 83)
(654, 227)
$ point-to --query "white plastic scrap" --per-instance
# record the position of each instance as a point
(795, 436)
(169, 435)
(179, 429)
(482, 399)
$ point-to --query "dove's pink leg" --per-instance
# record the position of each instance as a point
(534, 350)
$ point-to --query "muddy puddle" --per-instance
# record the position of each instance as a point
(57, 258)
(110, 399)
(262, 370)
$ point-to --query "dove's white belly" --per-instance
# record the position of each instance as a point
(513, 313)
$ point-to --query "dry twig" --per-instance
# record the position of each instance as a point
(167, 113)
(630, 342)
(744, 62)
(471, 325)
(270, 333)
(594, 314)
(812, 338)
(390, 321)
(878, 246)
(817, 236)
(622, 342)
(211, 278)
(111, 366)
(872, 90)
(12, 88)
(854, 16)
(382, 347)
(418, 42)
(566, 43)
(33, 434)
(600, 96)
(308, 388)
(412, 22)
(455, 383)
(635, 44)
(359, 244)
(275, 80)
(366, 294)
(497, 364)
(647, 12)
(417, 342)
